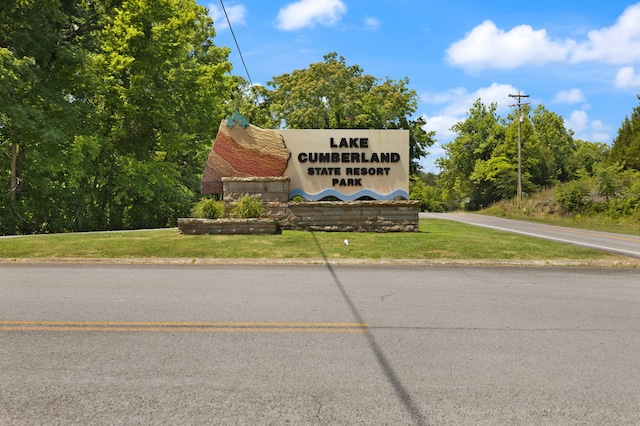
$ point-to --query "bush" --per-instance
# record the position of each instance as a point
(609, 180)
(623, 207)
(430, 196)
(572, 196)
(208, 208)
(249, 206)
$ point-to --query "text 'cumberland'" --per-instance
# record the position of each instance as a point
(349, 157)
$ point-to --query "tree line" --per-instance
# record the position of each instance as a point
(109, 109)
(480, 165)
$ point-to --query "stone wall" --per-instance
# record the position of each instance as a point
(273, 191)
(192, 226)
(339, 216)
(353, 216)
(269, 189)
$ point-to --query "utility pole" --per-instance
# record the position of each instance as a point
(519, 96)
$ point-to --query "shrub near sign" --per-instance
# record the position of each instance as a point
(348, 164)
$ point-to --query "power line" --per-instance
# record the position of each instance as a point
(237, 45)
(519, 96)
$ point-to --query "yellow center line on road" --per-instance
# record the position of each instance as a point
(187, 327)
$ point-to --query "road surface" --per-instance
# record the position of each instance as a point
(626, 245)
(318, 345)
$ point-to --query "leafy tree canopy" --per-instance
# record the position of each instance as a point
(626, 146)
(43, 50)
(481, 163)
(108, 112)
(334, 95)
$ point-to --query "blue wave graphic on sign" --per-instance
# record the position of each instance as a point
(351, 197)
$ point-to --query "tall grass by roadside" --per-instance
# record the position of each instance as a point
(543, 207)
(437, 239)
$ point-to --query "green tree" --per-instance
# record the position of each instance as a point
(493, 179)
(419, 141)
(43, 52)
(531, 157)
(609, 180)
(429, 194)
(334, 95)
(161, 91)
(555, 146)
(626, 146)
(108, 112)
(587, 156)
(572, 195)
(481, 163)
(253, 103)
(477, 138)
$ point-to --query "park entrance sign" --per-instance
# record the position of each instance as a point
(367, 171)
(348, 164)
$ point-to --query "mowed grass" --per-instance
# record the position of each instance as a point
(437, 240)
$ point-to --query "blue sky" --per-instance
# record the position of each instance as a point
(580, 60)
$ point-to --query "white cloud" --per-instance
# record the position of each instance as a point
(444, 97)
(428, 163)
(572, 96)
(441, 124)
(618, 44)
(585, 129)
(308, 13)
(578, 121)
(371, 24)
(489, 47)
(236, 15)
(496, 93)
(458, 101)
(627, 78)
(454, 104)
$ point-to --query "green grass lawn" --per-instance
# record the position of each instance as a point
(437, 240)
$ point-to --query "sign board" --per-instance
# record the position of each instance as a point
(348, 164)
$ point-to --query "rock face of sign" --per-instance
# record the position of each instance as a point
(243, 151)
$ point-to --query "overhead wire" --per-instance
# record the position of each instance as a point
(238, 47)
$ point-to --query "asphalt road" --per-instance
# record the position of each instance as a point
(626, 245)
(318, 344)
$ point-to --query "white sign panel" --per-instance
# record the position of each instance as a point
(348, 164)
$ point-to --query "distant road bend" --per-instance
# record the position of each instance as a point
(626, 245)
